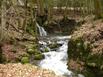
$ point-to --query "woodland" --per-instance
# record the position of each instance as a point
(51, 38)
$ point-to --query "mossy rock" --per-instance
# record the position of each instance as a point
(31, 46)
(52, 46)
(25, 55)
(46, 50)
(31, 51)
(25, 60)
(38, 56)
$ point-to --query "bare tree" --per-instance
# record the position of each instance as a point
(98, 8)
(40, 4)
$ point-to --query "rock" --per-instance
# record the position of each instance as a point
(46, 50)
(61, 26)
(38, 56)
(53, 46)
(31, 51)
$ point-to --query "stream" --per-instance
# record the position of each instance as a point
(56, 58)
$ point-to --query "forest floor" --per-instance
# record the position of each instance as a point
(27, 70)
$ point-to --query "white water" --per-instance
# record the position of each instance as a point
(57, 60)
(42, 31)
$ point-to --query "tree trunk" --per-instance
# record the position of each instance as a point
(98, 9)
(3, 20)
(50, 8)
(40, 5)
(25, 20)
(66, 10)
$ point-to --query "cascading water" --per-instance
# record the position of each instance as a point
(55, 59)
(42, 31)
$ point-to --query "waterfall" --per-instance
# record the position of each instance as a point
(42, 31)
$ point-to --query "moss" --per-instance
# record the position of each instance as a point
(38, 56)
(52, 46)
(31, 51)
(25, 60)
(97, 59)
(81, 50)
(26, 55)
(46, 50)
(78, 48)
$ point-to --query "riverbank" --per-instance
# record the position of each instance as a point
(85, 49)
